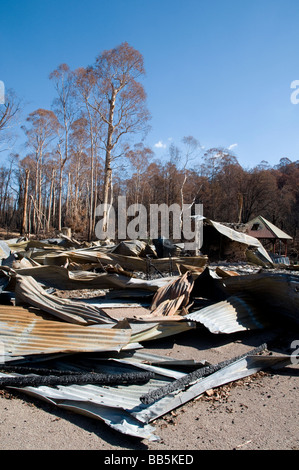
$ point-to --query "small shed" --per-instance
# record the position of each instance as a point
(266, 232)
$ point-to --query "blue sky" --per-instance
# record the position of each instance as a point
(218, 70)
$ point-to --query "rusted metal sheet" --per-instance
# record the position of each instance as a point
(30, 292)
(173, 296)
(131, 263)
(224, 273)
(62, 278)
(146, 331)
(168, 307)
(24, 333)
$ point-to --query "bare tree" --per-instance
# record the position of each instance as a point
(120, 101)
(9, 113)
(139, 158)
(42, 129)
(85, 83)
(66, 111)
(79, 172)
(25, 203)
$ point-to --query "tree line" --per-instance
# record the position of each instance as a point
(89, 149)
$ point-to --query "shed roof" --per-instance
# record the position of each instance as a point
(266, 229)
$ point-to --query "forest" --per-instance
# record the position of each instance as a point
(89, 148)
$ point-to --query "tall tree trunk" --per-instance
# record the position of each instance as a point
(54, 204)
(108, 170)
(39, 199)
(95, 199)
(35, 199)
(25, 204)
(91, 196)
(67, 202)
(62, 163)
(50, 202)
(60, 200)
(240, 202)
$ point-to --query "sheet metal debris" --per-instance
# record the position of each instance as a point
(237, 313)
(101, 369)
(121, 406)
(184, 381)
(275, 294)
(35, 380)
(173, 296)
(235, 371)
(130, 263)
(24, 333)
(28, 291)
(61, 277)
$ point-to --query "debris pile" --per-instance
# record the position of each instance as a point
(89, 354)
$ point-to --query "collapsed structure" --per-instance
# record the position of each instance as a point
(78, 355)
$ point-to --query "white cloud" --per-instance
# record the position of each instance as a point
(232, 146)
(160, 145)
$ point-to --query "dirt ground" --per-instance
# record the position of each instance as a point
(259, 412)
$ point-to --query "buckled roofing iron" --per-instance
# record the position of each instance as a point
(237, 313)
(121, 408)
(24, 333)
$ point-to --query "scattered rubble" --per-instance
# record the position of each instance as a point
(77, 353)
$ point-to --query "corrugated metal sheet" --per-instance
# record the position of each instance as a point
(144, 331)
(25, 333)
(96, 255)
(271, 293)
(236, 236)
(168, 307)
(276, 292)
(62, 278)
(160, 365)
(168, 299)
(236, 313)
(121, 408)
(30, 292)
(240, 237)
(235, 371)
(109, 404)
